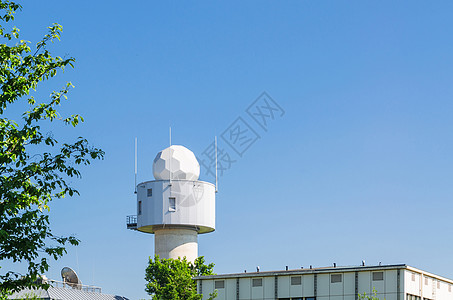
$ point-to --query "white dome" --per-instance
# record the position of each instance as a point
(182, 161)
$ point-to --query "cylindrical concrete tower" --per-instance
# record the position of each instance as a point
(176, 207)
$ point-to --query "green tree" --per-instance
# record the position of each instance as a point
(172, 279)
(34, 166)
(373, 296)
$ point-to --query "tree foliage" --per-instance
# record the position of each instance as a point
(372, 296)
(34, 166)
(172, 279)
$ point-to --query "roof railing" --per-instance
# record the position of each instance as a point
(131, 222)
(86, 288)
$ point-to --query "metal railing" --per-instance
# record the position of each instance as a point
(131, 222)
(86, 288)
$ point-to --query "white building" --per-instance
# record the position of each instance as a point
(391, 282)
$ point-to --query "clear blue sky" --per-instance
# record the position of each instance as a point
(359, 167)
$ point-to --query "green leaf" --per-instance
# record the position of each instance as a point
(34, 167)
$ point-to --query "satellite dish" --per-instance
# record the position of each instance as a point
(70, 278)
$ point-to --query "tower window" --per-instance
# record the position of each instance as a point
(149, 192)
(139, 207)
(172, 204)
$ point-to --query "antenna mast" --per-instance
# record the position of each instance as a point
(135, 186)
(170, 156)
(216, 180)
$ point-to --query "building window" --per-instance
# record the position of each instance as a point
(438, 284)
(297, 280)
(449, 288)
(149, 192)
(256, 282)
(139, 207)
(412, 297)
(426, 281)
(413, 276)
(335, 278)
(378, 276)
(310, 298)
(219, 284)
(172, 204)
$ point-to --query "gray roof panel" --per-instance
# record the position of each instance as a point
(60, 293)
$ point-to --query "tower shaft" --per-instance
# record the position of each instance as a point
(176, 242)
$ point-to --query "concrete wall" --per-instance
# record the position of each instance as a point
(174, 243)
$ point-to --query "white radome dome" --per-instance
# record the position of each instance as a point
(184, 165)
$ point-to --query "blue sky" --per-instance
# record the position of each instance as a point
(358, 168)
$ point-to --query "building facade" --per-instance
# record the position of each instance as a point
(391, 282)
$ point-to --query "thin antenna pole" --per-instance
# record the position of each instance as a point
(77, 259)
(135, 186)
(216, 180)
(92, 277)
(169, 153)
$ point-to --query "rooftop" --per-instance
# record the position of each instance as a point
(61, 290)
(318, 270)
